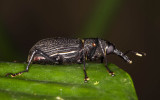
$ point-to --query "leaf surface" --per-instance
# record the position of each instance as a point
(63, 82)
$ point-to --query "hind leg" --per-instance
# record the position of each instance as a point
(29, 62)
(27, 68)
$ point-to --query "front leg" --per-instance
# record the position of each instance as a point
(110, 72)
(105, 59)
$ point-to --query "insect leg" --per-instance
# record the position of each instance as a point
(110, 72)
(29, 62)
(27, 68)
(105, 59)
(84, 68)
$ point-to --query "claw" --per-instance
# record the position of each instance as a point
(9, 74)
(112, 73)
(13, 75)
(86, 79)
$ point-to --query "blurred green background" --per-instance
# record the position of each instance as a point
(128, 24)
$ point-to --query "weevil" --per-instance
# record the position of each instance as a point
(73, 50)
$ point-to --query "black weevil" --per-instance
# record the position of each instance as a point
(73, 50)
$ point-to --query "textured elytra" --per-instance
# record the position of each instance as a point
(59, 49)
(57, 45)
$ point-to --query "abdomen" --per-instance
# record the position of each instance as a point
(68, 49)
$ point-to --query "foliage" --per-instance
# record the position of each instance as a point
(62, 82)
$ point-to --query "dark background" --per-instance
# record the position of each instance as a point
(128, 24)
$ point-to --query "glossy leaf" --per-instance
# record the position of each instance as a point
(62, 82)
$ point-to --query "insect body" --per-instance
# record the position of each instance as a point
(72, 50)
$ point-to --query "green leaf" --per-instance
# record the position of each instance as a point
(62, 82)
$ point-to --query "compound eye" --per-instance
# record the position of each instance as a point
(93, 44)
